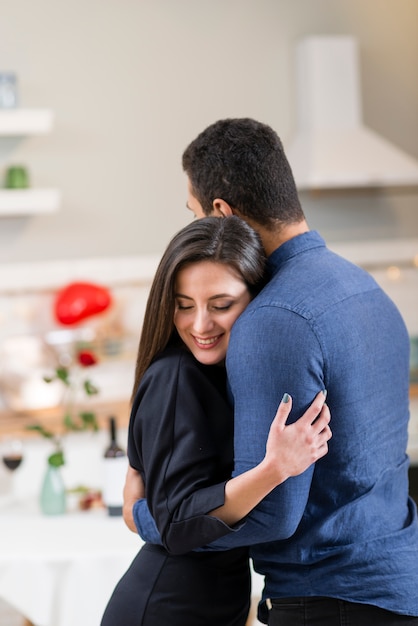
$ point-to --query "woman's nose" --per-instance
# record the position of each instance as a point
(202, 321)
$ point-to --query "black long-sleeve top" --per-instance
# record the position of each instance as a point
(181, 441)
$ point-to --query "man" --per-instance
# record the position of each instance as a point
(339, 544)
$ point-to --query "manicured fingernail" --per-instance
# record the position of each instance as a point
(324, 391)
(285, 398)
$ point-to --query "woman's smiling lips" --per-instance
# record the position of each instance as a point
(207, 343)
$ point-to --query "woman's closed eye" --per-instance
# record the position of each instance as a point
(181, 306)
(215, 307)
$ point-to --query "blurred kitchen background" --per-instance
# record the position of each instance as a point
(107, 96)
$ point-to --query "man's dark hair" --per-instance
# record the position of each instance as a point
(242, 161)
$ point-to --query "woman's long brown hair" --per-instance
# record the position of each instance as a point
(226, 240)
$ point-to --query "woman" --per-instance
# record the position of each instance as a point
(181, 434)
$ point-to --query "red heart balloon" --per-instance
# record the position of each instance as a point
(80, 300)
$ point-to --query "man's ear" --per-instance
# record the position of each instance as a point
(221, 208)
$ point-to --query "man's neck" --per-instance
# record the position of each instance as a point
(272, 239)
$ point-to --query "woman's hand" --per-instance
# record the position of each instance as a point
(133, 490)
(290, 451)
(295, 447)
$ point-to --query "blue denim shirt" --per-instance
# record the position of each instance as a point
(346, 528)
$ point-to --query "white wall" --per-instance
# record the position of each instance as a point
(133, 81)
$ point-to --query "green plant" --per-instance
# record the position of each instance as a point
(73, 421)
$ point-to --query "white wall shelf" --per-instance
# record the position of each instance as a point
(15, 122)
(21, 202)
(16, 202)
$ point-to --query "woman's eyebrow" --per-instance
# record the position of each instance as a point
(182, 295)
(214, 297)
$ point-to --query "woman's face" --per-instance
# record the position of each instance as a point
(209, 297)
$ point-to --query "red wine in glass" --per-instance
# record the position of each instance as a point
(12, 462)
(12, 455)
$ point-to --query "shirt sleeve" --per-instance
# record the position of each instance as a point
(145, 523)
(175, 447)
(148, 531)
(264, 361)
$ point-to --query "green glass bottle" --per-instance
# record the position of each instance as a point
(53, 500)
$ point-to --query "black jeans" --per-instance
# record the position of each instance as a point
(332, 612)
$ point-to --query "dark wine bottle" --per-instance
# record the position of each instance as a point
(115, 467)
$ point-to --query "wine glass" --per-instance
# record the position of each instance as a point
(12, 453)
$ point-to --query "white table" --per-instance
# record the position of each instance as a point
(61, 570)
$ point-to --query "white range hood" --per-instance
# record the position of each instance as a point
(332, 148)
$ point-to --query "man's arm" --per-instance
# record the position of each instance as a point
(271, 351)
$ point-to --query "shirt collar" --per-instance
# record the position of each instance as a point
(292, 247)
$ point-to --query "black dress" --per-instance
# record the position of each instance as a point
(181, 441)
